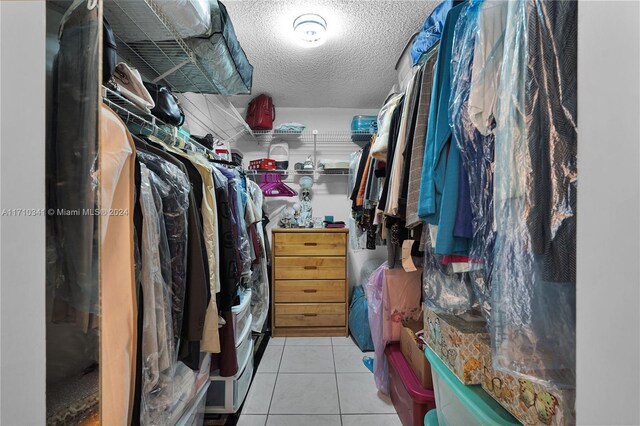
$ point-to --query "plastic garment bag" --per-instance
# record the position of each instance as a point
(431, 31)
(444, 291)
(476, 62)
(173, 187)
(374, 300)
(158, 352)
(259, 276)
(533, 280)
(72, 162)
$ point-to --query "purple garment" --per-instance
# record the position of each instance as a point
(463, 226)
(374, 300)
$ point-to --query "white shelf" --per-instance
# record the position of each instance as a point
(171, 62)
(309, 136)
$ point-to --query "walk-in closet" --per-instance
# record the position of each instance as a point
(319, 213)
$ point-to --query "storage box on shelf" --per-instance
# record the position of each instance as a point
(410, 399)
(310, 282)
(457, 342)
(533, 402)
(414, 353)
(458, 404)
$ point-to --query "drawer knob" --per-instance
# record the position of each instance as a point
(310, 290)
(310, 244)
(310, 315)
(310, 267)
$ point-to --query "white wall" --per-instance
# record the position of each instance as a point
(608, 288)
(22, 238)
(329, 193)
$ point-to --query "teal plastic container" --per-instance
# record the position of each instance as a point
(431, 418)
(459, 404)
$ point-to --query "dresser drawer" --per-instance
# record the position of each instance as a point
(321, 291)
(301, 268)
(310, 244)
(310, 315)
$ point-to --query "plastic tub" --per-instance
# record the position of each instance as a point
(241, 314)
(226, 394)
(409, 398)
(431, 418)
(459, 404)
(363, 126)
(245, 343)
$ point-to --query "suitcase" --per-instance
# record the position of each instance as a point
(261, 113)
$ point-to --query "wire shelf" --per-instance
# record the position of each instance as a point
(132, 114)
(307, 136)
(137, 26)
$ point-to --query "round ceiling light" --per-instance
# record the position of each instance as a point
(311, 29)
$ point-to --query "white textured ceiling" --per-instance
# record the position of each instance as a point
(355, 68)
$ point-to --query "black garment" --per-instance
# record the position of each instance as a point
(75, 159)
(396, 118)
(359, 176)
(226, 361)
(551, 134)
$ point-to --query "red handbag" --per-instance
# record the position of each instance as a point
(261, 113)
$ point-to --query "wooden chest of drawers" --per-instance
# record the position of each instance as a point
(310, 288)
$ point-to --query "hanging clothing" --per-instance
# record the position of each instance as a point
(259, 277)
(210, 339)
(75, 154)
(552, 137)
(447, 242)
(439, 131)
(419, 135)
(157, 342)
(397, 167)
(230, 273)
(197, 281)
(175, 204)
(119, 333)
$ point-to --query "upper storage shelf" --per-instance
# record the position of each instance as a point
(313, 136)
(136, 24)
(148, 40)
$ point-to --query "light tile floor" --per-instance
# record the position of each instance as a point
(315, 381)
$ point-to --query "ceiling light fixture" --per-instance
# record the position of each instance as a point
(311, 29)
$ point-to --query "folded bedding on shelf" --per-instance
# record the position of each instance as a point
(334, 164)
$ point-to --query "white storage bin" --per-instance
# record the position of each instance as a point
(245, 345)
(194, 415)
(226, 394)
(241, 313)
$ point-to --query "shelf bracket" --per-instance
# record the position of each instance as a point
(170, 71)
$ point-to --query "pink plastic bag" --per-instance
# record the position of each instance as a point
(374, 300)
(401, 301)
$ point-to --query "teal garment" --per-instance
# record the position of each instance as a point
(458, 117)
(446, 242)
(438, 131)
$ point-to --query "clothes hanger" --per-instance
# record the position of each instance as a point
(272, 186)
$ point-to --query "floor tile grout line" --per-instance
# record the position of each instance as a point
(273, 391)
(335, 371)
